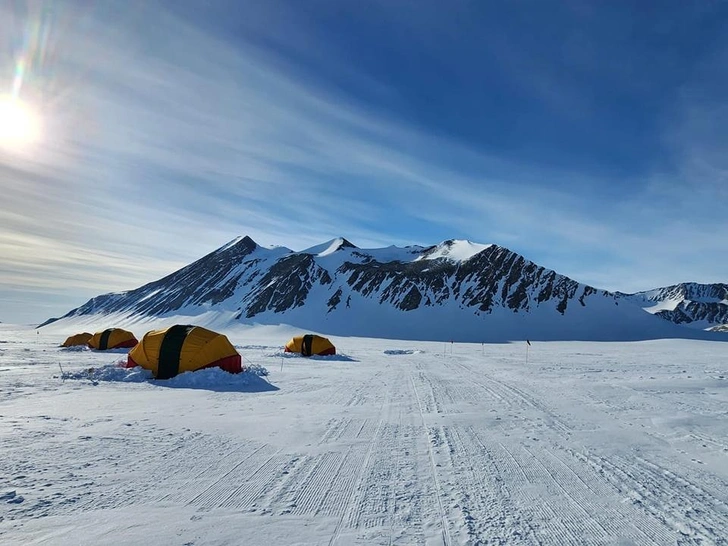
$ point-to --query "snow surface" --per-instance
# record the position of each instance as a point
(391, 442)
(324, 249)
(664, 305)
(455, 250)
(393, 253)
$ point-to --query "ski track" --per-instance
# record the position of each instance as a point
(430, 397)
(413, 453)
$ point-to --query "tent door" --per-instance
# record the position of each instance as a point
(169, 351)
(306, 345)
(104, 340)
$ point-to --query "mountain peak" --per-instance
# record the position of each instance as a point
(457, 250)
(244, 241)
(329, 247)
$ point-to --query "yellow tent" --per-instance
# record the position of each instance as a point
(77, 339)
(310, 344)
(184, 348)
(112, 338)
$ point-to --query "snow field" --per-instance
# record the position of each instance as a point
(394, 442)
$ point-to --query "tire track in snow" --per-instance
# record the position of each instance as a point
(221, 485)
(604, 517)
(200, 459)
(618, 518)
(393, 491)
(525, 399)
(303, 494)
(511, 467)
(544, 499)
(345, 430)
(428, 403)
(557, 488)
(568, 487)
(607, 514)
(392, 475)
(392, 497)
(692, 514)
(324, 490)
(480, 493)
(515, 398)
(373, 504)
(547, 501)
(346, 512)
(64, 475)
(252, 485)
(446, 539)
(335, 497)
(334, 430)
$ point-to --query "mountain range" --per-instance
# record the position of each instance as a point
(703, 306)
(456, 290)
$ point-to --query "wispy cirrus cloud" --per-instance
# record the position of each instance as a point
(164, 139)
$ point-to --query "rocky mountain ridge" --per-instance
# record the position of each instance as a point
(690, 304)
(454, 290)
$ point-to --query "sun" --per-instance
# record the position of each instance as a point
(20, 127)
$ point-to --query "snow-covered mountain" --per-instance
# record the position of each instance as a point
(456, 290)
(691, 304)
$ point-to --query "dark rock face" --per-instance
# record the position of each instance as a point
(704, 303)
(493, 277)
(334, 301)
(286, 285)
(249, 279)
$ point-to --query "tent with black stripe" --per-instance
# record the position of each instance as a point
(184, 348)
(310, 344)
(112, 338)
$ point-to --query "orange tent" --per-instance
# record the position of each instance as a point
(112, 338)
(310, 344)
(184, 348)
(77, 339)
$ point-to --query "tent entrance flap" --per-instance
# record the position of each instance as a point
(306, 345)
(170, 350)
(104, 341)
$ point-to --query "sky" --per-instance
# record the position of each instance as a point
(590, 137)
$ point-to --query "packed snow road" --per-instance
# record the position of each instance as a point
(394, 442)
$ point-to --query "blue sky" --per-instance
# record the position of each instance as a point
(588, 136)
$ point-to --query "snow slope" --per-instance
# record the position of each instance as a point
(391, 442)
(455, 250)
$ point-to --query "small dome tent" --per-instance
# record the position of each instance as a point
(310, 344)
(184, 348)
(77, 339)
(112, 338)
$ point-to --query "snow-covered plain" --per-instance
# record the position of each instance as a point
(390, 442)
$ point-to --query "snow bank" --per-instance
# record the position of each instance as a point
(324, 358)
(209, 378)
(75, 349)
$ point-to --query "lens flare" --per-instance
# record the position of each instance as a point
(20, 127)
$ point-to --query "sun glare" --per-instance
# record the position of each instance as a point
(19, 126)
